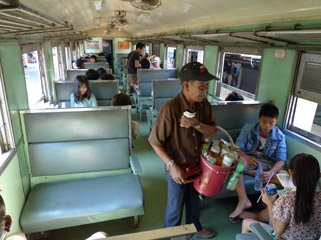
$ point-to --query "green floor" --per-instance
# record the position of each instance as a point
(214, 214)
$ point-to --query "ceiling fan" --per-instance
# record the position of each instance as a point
(144, 4)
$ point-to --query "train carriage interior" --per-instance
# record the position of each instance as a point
(266, 51)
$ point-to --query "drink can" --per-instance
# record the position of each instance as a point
(271, 189)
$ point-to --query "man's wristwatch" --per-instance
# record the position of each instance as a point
(198, 126)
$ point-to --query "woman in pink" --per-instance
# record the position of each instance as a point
(297, 214)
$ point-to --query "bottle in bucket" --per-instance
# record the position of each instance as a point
(271, 189)
(231, 184)
(258, 181)
(208, 156)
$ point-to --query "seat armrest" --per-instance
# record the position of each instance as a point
(260, 232)
(135, 165)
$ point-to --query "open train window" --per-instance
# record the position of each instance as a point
(194, 54)
(304, 111)
(6, 137)
(239, 72)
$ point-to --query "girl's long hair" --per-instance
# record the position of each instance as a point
(79, 81)
(305, 172)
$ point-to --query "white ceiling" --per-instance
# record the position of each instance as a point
(176, 16)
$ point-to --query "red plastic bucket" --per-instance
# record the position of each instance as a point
(212, 179)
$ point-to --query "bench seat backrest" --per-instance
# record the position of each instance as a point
(73, 73)
(96, 65)
(104, 90)
(71, 141)
(232, 116)
(164, 90)
(146, 76)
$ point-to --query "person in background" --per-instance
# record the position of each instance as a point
(101, 71)
(176, 139)
(5, 224)
(82, 96)
(92, 74)
(107, 76)
(93, 59)
(145, 62)
(80, 63)
(133, 63)
(234, 96)
(73, 64)
(122, 99)
(295, 214)
(156, 62)
(264, 143)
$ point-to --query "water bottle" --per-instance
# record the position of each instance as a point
(258, 181)
(231, 184)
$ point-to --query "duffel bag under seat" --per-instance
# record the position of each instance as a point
(82, 201)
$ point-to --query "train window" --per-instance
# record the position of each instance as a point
(170, 57)
(194, 55)
(304, 114)
(33, 77)
(6, 137)
(56, 62)
(240, 73)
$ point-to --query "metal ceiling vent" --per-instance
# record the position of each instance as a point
(146, 4)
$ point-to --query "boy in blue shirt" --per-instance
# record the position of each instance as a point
(265, 142)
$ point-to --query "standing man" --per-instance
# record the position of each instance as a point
(133, 64)
(176, 139)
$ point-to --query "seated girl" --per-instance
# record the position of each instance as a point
(296, 214)
(82, 96)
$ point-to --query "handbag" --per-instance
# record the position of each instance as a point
(192, 170)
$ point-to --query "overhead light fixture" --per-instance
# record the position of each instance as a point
(98, 4)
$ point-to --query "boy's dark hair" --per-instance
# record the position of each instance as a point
(140, 45)
(92, 74)
(93, 56)
(101, 71)
(269, 110)
(121, 99)
(234, 96)
(107, 76)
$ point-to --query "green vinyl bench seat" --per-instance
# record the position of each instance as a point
(82, 201)
(81, 168)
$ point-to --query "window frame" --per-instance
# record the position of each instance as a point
(9, 143)
(220, 67)
(298, 134)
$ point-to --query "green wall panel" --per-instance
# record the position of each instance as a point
(210, 62)
(275, 79)
(295, 147)
(179, 56)
(13, 75)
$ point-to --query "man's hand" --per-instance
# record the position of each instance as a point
(250, 160)
(188, 122)
(177, 174)
(266, 176)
